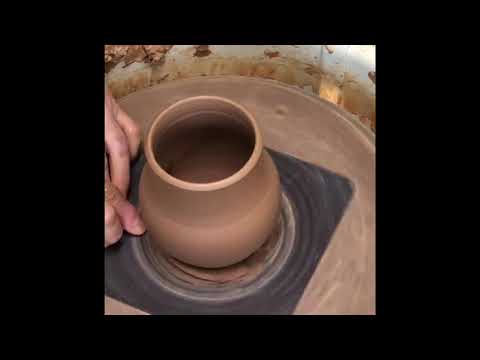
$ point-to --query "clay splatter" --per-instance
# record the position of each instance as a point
(312, 70)
(135, 53)
(201, 51)
(153, 54)
(371, 75)
(330, 51)
(342, 91)
(271, 54)
(366, 121)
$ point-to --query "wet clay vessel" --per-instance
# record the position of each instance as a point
(209, 193)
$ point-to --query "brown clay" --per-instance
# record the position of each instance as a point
(210, 193)
(315, 131)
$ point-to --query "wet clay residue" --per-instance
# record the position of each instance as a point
(271, 54)
(135, 53)
(156, 53)
(330, 51)
(164, 77)
(312, 70)
(242, 271)
(344, 92)
(371, 75)
(330, 91)
(201, 51)
(128, 54)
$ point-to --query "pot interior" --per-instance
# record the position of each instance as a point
(203, 140)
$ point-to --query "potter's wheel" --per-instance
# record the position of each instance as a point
(322, 261)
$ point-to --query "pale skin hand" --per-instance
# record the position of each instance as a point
(122, 139)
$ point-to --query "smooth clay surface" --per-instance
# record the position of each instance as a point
(210, 193)
(114, 307)
(316, 131)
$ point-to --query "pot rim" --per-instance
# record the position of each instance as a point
(216, 185)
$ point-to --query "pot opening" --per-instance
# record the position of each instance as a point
(203, 140)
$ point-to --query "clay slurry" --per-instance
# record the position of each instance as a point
(204, 153)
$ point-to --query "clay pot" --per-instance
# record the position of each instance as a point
(209, 193)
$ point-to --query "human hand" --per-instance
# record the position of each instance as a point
(122, 139)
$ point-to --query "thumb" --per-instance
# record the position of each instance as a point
(128, 214)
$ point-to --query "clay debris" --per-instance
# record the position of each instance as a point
(330, 51)
(153, 54)
(201, 50)
(271, 54)
(371, 75)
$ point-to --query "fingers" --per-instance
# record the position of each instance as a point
(129, 127)
(128, 215)
(131, 131)
(113, 228)
(122, 139)
(119, 154)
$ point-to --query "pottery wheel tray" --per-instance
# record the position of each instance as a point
(321, 259)
(318, 198)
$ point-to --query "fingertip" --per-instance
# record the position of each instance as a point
(113, 236)
(138, 228)
(110, 215)
(132, 131)
(129, 217)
